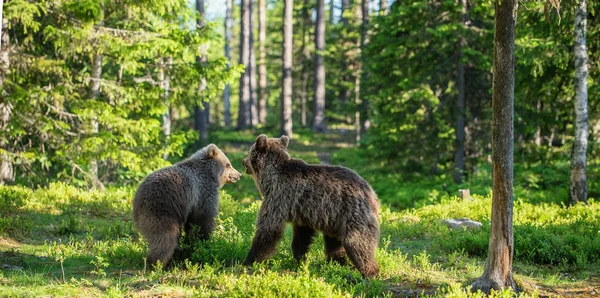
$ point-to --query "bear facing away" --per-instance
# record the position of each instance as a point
(331, 199)
(181, 196)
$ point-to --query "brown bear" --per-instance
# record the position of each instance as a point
(181, 196)
(331, 199)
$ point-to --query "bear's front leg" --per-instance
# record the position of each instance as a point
(201, 223)
(264, 242)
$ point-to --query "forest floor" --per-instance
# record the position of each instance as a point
(65, 241)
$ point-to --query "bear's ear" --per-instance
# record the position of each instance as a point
(285, 141)
(261, 142)
(212, 151)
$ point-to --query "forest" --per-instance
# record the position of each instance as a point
(452, 110)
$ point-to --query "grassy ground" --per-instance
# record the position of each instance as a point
(64, 241)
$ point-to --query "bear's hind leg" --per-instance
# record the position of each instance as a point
(361, 251)
(302, 239)
(334, 250)
(162, 245)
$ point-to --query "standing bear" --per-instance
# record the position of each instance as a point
(331, 199)
(181, 196)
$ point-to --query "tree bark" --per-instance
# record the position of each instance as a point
(361, 13)
(459, 151)
(6, 165)
(262, 63)
(331, 10)
(253, 91)
(227, 91)
(345, 92)
(319, 122)
(305, 62)
(383, 7)
(286, 90)
(244, 115)
(164, 80)
(498, 269)
(202, 114)
(578, 184)
(95, 78)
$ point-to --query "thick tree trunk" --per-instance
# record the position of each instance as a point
(253, 90)
(383, 7)
(6, 165)
(164, 81)
(498, 269)
(286, 90)
(319, 122)
(227, 91)
(262, 62)
(459, 151)
(244, 115)
(578, 185)
(202, 114)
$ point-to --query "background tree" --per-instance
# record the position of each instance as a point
(6, 166)
(459, 150)
(578, 183)
(244, 112)
(319, 113)
(498, 269)
(286, 90)
(227, 91)
(202, 114)
(252, 69)
(262, 67)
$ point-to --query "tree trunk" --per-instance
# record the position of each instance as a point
(578, 185)
(383, 7)
(262, 63)
(244, 115)
(253, 93)
(498, 269)
(459, 153)
(94, 125)
(305, 59)
(164, 80)
(286, 90)
(538, 132)
(361, 13)
(6, 165)
(366, 105)
(227, 91)
(319, 122)
(345, 92)
(331, 10)
(202, 114)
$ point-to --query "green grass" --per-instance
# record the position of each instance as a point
(89, 236)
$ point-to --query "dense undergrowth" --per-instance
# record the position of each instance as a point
(65, 241)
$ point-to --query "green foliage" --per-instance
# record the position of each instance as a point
(413, 56)
(49, 136)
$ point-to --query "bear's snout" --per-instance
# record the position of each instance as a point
(246, 166)
(235, 176)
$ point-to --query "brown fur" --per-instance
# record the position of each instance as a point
(331, 199)
(181, 196)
